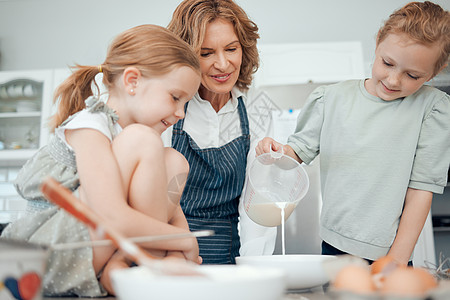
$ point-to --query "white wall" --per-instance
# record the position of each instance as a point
(36, 34)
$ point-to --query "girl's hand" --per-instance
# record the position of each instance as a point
(179, 255)
(179, 220)
(192, 253)
(267, 144)
(175, 254)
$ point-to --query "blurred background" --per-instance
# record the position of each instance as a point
(330, 39)
(37, 34)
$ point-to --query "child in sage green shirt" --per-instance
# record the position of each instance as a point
(384, 142)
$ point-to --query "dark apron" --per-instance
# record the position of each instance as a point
(210, 199)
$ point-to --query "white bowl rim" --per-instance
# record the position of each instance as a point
(257, 273)
(272, 280)
(296, 278)
(286, 257)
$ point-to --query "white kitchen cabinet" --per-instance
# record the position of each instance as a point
(301, 63)
(25, 105)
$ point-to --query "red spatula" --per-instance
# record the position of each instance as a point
(64, 198)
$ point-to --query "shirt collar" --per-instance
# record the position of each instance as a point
(230, 105)
(236, 93)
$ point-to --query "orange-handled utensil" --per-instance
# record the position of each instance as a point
(134, 239)
(64, 198)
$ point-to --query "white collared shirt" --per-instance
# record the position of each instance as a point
(208, 128)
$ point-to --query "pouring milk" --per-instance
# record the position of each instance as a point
(275, 186)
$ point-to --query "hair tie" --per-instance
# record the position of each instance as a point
(99, 67)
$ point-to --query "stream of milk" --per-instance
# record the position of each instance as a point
(282, 206)
(272, 214)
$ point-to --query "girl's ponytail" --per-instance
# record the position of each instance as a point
(70, 95)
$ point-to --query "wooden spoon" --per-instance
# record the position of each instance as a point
(64, 198)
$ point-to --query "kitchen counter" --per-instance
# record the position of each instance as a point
(442, 292)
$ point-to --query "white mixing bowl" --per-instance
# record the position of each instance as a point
(302, 271)
(222, 282)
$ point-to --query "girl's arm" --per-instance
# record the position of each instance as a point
(102, 189)
(179, 220)
(415, 212)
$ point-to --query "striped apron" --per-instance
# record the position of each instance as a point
(211, 196)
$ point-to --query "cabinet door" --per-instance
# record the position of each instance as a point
(300, 63)
(25, 104)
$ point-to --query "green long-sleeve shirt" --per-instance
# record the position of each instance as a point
(371, 151)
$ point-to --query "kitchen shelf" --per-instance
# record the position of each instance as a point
(25, 105)
(31, 114)
(15, 157)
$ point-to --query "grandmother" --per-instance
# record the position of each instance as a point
(223, 124)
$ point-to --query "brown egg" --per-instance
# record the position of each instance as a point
(428, 279)
(354, 278)
(404, 281)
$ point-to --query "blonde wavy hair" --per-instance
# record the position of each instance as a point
(152, 49)
(191, 17)
(424, 22)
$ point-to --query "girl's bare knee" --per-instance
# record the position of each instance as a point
(138, 140)
(175, 161)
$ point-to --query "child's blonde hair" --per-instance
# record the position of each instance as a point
(152, 49)
(424, 22)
